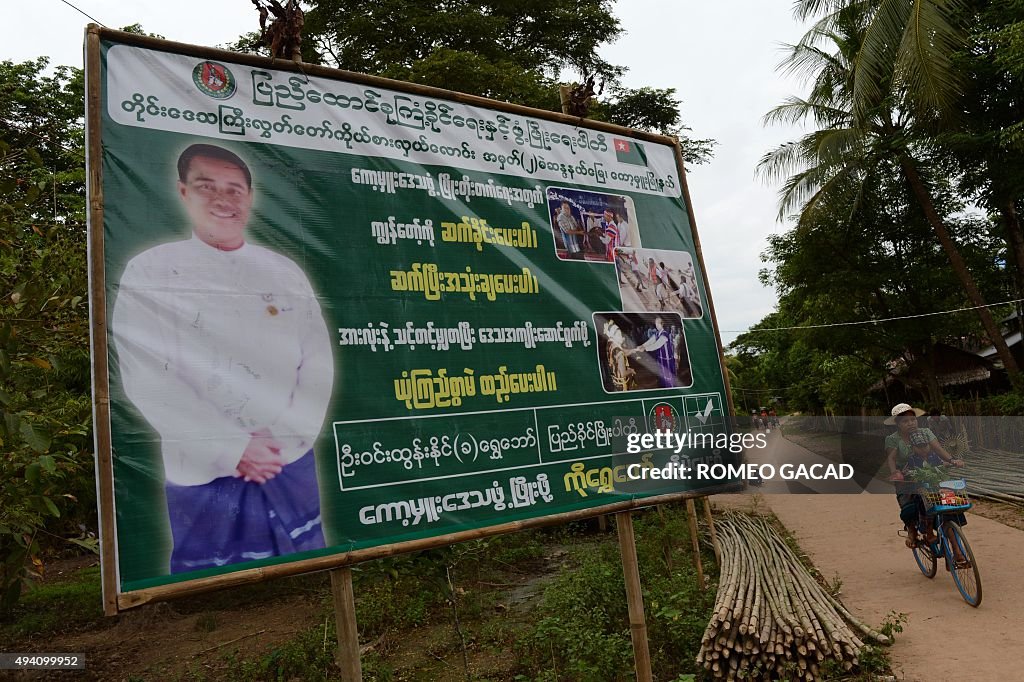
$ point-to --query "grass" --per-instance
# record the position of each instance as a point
(303, 657)
(255, 594)
(52, 608)
(575, 628)
(206, 622)
(582, 631)
(406, 597)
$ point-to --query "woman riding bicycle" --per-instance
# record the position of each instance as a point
(901, 455)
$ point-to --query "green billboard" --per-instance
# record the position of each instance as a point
(334, 313)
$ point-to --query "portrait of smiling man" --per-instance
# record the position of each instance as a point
(223, 349)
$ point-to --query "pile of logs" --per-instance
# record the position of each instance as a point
(772, 620)
(994, 475)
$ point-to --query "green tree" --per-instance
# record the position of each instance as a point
(906, 42)
(515, 51)
(848, 149)
(46, 469)
(983, 148)
(1009, 39)
(44, 113)
(960, 65)
(521, 44)
(877, 262)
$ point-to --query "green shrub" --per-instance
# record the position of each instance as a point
(303, 657)
(582, 631)
(1009, 404)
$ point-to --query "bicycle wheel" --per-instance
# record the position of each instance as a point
(925, 559)
(968, 580)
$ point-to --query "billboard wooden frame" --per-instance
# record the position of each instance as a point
(115, 601)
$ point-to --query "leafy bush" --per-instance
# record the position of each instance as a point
(1009, 404)
(583, 627)
(47, 493)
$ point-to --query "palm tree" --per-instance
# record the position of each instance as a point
(857, 137)
(909, 40)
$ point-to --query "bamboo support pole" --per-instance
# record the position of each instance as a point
(691, 516)
(347, 655)
(634, 596)
(98, 322)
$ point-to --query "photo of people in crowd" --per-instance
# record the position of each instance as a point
(589, 226)
(656, 280)
(642, 351)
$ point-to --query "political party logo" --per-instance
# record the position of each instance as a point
(214, 79)
(664, 417)
(628, 151)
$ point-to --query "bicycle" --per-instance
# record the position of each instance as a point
(942, 505)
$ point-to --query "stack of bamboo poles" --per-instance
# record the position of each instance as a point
(772, 620)
(994, 475)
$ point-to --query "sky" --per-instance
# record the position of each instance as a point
(719, 56)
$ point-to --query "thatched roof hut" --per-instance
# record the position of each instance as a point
(950, 366)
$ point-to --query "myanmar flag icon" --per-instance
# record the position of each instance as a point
(629, 152)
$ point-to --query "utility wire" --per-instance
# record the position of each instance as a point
(885, 319)
(52, 141)
(83, 13)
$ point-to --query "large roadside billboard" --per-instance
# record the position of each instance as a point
(336, 317)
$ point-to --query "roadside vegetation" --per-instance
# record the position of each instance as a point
(902, 200)
(533, 606)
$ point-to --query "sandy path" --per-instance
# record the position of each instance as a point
(854, 537)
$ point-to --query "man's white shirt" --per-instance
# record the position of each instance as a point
(214, 346)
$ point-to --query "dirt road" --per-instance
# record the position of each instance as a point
(855, 538)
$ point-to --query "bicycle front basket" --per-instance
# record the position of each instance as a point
(946, 497)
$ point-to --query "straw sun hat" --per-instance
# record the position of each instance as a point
(900, 409)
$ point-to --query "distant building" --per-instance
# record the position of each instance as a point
(1011, 329)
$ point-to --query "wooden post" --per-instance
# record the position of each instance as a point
(711, 529)
(347, 656)
(98, 322)
(634, 597)
(602, 523)
(691, 515)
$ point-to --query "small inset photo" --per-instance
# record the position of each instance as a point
(642, 351)
(656, 280)
(589, 226)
